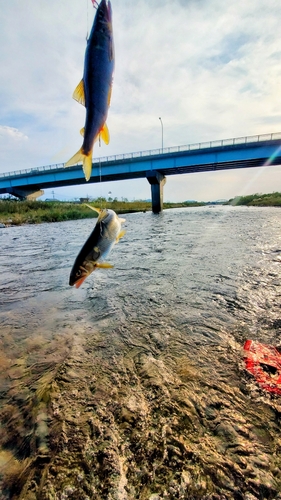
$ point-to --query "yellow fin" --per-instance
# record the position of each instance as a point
(87, 166)
(120, 235)
(82, 131)
(79, 93)
(104, 265)
(104, 133)
(93, 208)
(121, 219)
(78, 157)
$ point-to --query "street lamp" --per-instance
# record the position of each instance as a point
(162, 130)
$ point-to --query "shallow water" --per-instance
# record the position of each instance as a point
(200, 269)
(188, 288)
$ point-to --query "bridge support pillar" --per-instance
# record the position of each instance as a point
(157, 182)
(25, 194)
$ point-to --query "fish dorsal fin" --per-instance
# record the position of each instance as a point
(79, 93)
(104, 133)
(82, 131)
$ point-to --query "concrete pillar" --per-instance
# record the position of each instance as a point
(157, 182)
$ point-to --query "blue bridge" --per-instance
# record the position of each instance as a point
(155, 165)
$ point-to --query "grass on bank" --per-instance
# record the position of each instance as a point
(15, 212)
(257, 200)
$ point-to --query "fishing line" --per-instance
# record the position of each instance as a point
(100, 175)
(87, 35)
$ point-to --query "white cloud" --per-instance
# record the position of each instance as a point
(12, 133)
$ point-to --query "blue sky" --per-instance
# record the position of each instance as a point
(211, 69)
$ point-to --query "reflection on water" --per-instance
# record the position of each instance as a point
(188, 287)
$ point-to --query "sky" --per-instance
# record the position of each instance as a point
(210, 69)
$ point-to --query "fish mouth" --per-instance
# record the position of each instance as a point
(105, 6)
(79, 282)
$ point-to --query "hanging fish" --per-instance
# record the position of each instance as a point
(94, 90)
(106, 233)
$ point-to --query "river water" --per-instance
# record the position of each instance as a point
(144, 360)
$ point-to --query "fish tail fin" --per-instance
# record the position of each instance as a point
(87, 162)
(87, 165)
(78, 157)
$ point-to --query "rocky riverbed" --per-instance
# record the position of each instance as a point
(122, 418)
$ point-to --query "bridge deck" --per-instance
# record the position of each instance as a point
(243, 152)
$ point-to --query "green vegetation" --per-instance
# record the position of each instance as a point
(14, 212)
(33, 212)
(257, 200)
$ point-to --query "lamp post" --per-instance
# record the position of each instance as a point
(162, 130)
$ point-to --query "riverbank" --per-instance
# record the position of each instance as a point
(15, 213)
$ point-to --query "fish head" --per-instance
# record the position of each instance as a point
(104, 14)
(80, 273)
(83, 268)
(103, 30)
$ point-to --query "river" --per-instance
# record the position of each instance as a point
(133, 386)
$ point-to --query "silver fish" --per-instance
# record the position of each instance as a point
(106, 233)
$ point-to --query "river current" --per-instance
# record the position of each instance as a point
(188, 287)
(201, 270)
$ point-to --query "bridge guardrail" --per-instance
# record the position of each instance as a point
(152, 152)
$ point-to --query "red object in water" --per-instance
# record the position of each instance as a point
(264, 362)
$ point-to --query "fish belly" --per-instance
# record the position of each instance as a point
(108, 239)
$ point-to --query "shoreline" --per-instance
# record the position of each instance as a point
(18, 213)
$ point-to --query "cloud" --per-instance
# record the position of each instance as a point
(11, 133)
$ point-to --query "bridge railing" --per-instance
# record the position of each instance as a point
(174, 149)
